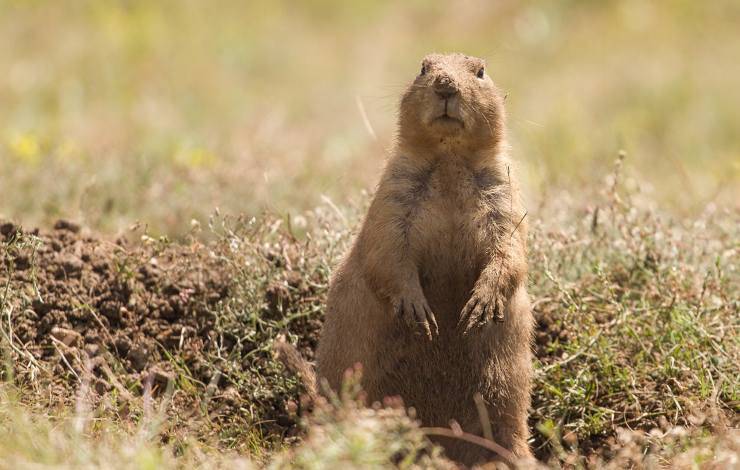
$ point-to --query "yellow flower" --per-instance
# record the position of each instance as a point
(25, 147)
(195, 157)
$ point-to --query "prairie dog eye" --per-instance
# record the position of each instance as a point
(423, 69)
(481, 72)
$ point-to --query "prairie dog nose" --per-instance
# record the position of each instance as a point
(444, 87)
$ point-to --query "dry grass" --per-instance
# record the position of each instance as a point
(638, 321)
(118, 112)
(637, 344)
(122, 111)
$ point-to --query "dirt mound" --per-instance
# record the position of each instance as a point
(136, 313)
(82, 298)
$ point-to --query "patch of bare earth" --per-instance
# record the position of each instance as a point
(121, 319)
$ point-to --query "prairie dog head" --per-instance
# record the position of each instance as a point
(452, 105)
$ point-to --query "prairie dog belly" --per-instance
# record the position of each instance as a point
(450, 259)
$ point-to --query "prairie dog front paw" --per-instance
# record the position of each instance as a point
(484, 307)
(413, 309)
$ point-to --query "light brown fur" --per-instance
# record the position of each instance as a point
(431, 298)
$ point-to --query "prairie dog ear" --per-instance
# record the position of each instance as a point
(425, 66)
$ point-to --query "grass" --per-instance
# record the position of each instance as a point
(141, 111)
(637, 344)
(641, 320)
(341, 435)
(236, 149)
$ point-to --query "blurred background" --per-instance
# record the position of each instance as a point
(113, 112)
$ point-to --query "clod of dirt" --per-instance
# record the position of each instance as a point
(67, 225)
(7, 229)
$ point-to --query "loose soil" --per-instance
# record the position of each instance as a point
(90, 298)
(129, 316)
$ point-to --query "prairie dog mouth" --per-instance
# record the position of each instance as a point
(446, 118)
(447, 109)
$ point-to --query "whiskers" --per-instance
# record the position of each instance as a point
(472, 108)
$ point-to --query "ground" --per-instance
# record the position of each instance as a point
(176, 187)
(636, 340)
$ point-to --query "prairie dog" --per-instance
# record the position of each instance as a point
(431, 299)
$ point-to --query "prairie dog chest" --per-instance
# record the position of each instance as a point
(448, 228)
